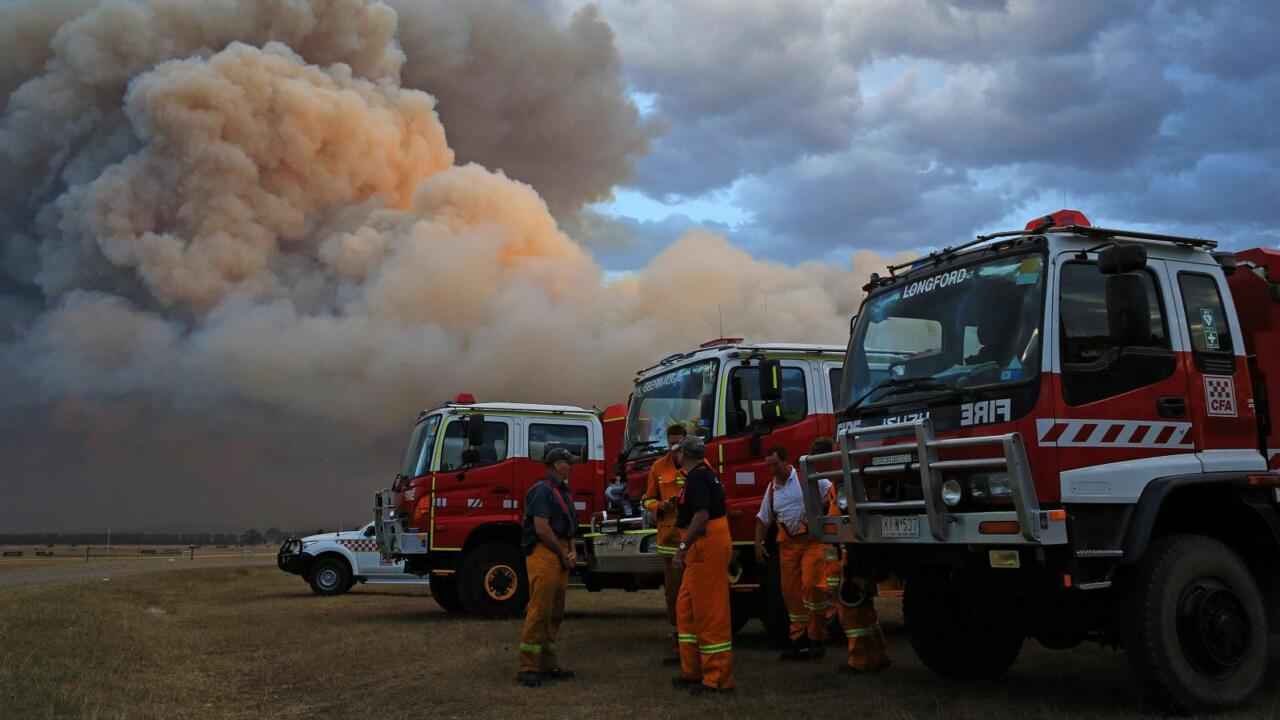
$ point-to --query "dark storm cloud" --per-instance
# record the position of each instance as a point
(898, 121)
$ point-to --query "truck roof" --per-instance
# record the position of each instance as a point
(739, 346)
(515, 407)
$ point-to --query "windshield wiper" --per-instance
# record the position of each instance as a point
(897, 385)
(643, 444)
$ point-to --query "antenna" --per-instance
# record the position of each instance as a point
(766, 316)
(720, 313)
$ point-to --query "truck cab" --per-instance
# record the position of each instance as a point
(455, 508)
(742, 398)
(1060, 433)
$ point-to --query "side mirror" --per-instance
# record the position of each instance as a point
(369, 532)
(770, 372)
(473, 429)
(1120, 258)
(1128, 311)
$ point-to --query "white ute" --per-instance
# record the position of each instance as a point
(333, 562)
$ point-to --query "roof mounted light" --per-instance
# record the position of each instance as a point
(1062, 218)
(465, 399)
(720, 341)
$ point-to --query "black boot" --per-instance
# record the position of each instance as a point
(799, 650)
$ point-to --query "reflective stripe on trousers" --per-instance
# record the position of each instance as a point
(702, 609)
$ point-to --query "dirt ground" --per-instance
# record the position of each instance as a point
(250, 642)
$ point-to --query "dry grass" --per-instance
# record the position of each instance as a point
(252, 642)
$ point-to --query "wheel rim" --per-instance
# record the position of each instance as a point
(1213, 627)
(327, 578)
(500, 582)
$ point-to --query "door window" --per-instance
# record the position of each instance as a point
(743, 408)
(1211, 344)
(1095, 363)
(543, 438)
(492, 450)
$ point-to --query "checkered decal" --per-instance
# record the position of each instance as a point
(1220, 395)
(368, 545)
(1113, 434)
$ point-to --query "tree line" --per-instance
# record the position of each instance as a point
(251, 536)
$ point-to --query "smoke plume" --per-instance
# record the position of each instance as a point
(239, 251)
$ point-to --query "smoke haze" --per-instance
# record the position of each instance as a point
(245, 241)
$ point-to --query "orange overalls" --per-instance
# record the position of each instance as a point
(803, 568)
(548, 579)
(858, 618)
(665, 481)
(702, 609)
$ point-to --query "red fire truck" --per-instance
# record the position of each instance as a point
(1066, 432)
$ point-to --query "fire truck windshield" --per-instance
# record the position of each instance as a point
(964, 327)
(684, 395)
(422, 443)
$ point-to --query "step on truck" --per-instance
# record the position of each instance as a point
(741, 398)
(1064, 433)
(453, 513)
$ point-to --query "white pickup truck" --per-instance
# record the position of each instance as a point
(334, 562)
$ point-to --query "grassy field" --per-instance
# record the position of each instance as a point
(250, 642)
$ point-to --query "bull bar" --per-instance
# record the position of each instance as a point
(862, 523)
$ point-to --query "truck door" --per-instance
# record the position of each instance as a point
(576, 436)
(1121, 416)
(470, 494)
(1218, 379)
(745, 438)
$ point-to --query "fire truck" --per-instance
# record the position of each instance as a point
(453, 513)
(1066, 432)
(742, 398)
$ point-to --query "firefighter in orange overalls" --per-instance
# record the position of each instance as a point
(660, 496)
(801, 562)
(704, 629)
(854, 597)
(547, 537)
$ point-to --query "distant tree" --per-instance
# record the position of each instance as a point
(276, 535)
(252, 537)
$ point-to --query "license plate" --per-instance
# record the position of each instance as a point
(900, 527)
(615, 543)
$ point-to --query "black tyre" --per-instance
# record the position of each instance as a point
(444, 590)
(329, 576)
(958, 636)
(492, 582)
(1194, 625)
(770, 605)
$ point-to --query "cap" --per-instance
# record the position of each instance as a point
(557, 454)
(694, 447)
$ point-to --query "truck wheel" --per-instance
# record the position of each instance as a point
(1194, 625)
(772, 609)
(329, 576)
(742, 607)
(492, 582)
(444, 590)
(957, 636)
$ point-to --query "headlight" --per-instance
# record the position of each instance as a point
(842, 502)
(951, 493)
(410, 494)
(990, 485)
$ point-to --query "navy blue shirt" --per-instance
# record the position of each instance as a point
(541, 502)
(702, 491)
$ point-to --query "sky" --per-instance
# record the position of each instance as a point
(244, 242)
(808, 129)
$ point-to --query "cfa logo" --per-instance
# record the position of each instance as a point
(985, 411)
(1220, 395)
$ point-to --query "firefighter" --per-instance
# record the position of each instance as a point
(702, 608)
(547, 537)
(854, 597)
(801, 561)
(660, 496)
